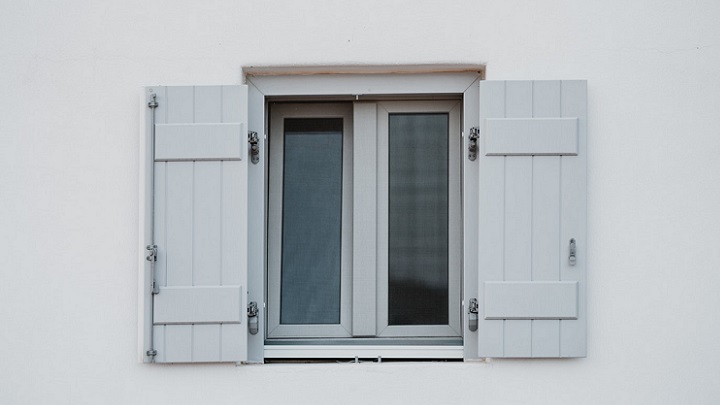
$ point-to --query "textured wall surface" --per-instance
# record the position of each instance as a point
(71, 77)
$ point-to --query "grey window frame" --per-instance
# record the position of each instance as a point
(275, 192)
(267, 85)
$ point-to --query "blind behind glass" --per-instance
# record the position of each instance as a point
(312, 221)
(418, 212)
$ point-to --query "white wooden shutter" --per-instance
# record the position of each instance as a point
(532, 202)
(200, 224)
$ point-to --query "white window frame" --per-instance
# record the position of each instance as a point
(269, 84)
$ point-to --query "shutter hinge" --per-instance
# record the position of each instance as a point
(252, 313)
(473, 143)
(151, 353)
(254, 147)
(153, 104)
(473, 314)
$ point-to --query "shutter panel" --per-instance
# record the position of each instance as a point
(200, 224)
(532, 202)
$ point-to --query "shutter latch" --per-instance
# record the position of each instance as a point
(152, 258)
(252, 313)
(571, 259)
(473, 315)
(473, 143)
(254, 148)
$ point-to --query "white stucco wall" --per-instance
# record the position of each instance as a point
(71, 74)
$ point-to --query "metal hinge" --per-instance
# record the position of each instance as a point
(252, 313)
(152, 253)
(473, 314)
(473, 143)
(153, 103)
(254, 147)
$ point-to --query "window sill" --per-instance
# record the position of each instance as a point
(362, 352)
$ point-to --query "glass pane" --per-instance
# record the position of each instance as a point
(312, 209)
(418, 229)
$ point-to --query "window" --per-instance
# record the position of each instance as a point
(307, 243)
(406, 160)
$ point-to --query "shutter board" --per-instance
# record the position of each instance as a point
(532, 201)
(177, 142)
(191, 305)
(200, 224)
(531, 300)
(538, 136)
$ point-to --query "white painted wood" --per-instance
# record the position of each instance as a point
(216, 141)
(233, 341)
(207, 223)
(542, 207)
(531, 300)
(531, 136)
(256, 205)
(470, 203)
(180, 104)
(202, 348)
(207, 104)
(546, 217)
(364, 303)
(491, 222)
(573, 200)
(178, 223)
(191, 305)
(177, 345)
(518, 203)
(200, 224)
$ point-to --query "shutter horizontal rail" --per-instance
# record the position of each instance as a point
(217, 141)
(531, 300)
(193, 305)
(531, 136)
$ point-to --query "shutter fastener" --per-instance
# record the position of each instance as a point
(571, 258)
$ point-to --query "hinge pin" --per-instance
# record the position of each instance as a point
(153, 103)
